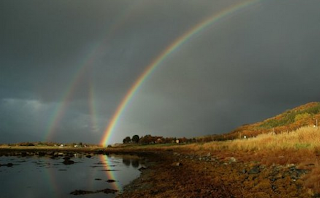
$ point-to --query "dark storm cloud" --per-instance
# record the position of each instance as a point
(247, 67)
(245, 70)
(43, 43)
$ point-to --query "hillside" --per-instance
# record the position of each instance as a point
(304, 115)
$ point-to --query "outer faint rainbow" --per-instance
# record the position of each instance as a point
(66, 97)
(163, 55)
(92, 108)
(84, 65)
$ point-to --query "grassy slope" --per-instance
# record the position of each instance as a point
(304, 115)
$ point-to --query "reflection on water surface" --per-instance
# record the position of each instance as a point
(35, 176)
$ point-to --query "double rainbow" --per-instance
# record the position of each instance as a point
(83, 67)
(163, 55)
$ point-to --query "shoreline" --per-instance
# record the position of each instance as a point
(178, 172)
(173, 174)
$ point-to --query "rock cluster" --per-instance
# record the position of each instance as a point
(7, 165)
(208, 176)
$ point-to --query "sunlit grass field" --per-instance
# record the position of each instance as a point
(302, 138)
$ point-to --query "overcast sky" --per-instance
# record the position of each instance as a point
(65, 66)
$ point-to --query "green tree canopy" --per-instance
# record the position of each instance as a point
(135, 138)
(127, 140)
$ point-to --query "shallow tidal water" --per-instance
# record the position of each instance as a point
(45, 177)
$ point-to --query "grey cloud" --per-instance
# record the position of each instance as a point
(251, 65)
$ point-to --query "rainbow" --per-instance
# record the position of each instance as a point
(80, 71)
(66, 97)
(163, 55)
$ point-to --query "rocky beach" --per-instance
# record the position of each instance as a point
(172, 174)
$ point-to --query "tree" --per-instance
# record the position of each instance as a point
(135, 138)
(146, 139)
(127, 140)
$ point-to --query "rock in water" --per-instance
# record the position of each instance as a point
(111, 180)
(81, 192)
(68, 162)
(84, 192)
(107, 191)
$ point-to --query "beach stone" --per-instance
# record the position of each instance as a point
(176, 164)
(232, 160)
(254, 170)
(296, 173)
(142, 168)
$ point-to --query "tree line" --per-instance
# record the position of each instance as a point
(149, 139)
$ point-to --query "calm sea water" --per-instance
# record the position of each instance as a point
(45, 177)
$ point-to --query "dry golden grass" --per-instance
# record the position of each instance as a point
(300, 147)
(303, 138)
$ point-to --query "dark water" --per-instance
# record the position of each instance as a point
(46, 177)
